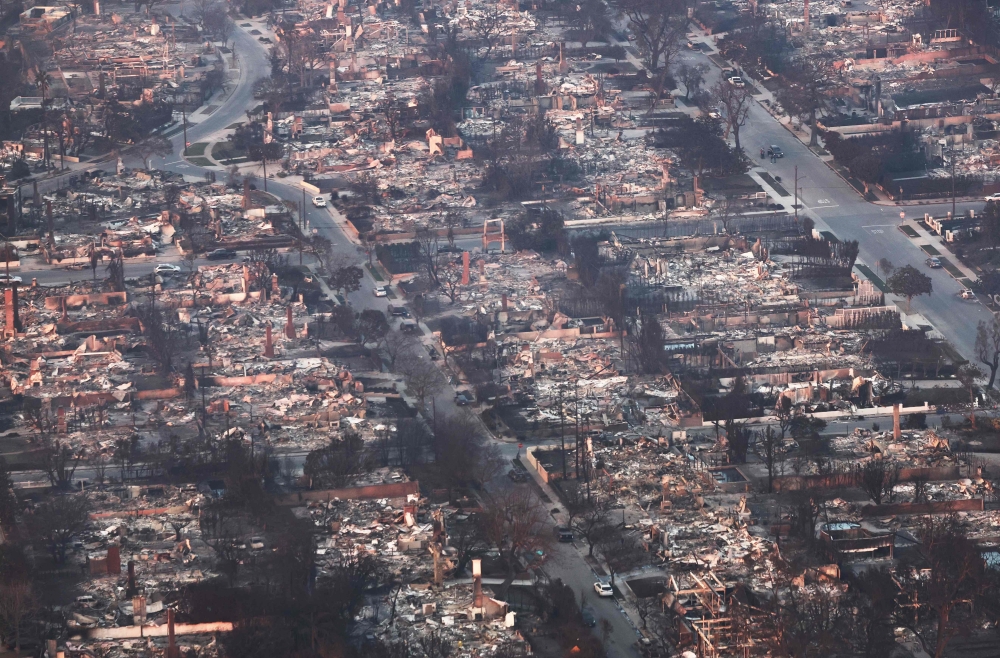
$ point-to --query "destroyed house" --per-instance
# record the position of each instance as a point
(848, 542)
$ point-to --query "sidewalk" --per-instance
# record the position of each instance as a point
(925, 238)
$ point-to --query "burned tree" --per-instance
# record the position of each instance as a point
(878, 478)
(988, 347)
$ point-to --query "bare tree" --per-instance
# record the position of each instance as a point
(803, 91)
(593, 522)
(621, 550)
(878, 478)
(988, 347)
(950, 594)
(421, 376)
(771, 450)
(488, 26)
(968, 374)
(396, 344)
(59, 462)
(451, 281)
(658, 26)
(17, 603)
(692, 77)
(735, 103)
(56, 520)
(514, 523)
(154, 145)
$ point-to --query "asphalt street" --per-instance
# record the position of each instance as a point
(565, 561)
(835, 206)
(827, 198)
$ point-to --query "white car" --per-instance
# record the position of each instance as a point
(967, 294)
(603, 589)
(380, 291)
(993, 197)
(736, 81)
(9, 278)
(167, 268)
(319, 202)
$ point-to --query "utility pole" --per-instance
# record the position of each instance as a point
(953, 182)
(302, 210)
(797, 194)
(562, 432)
(184, 123)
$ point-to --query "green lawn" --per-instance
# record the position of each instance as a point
(909, 231)
(223, 152)
(197, 149)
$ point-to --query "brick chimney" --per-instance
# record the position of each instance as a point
(12, 322)
(172, 649)
(896, 433)
(465, 268)
(477, 583)
(268, 342)
(289, 325)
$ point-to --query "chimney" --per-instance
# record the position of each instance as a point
(61, 420)
(172, 649)
(12, 318)
(275, 288)
(289, 325)
(806, 15)
(50, 648)
(131, 590)
(477, 583)
(465, 268)
(246, 195)
(268, 343)
(503, 302)
(114, 560)
(438, 571)
(138, 610)
(896, 433)
(48, 220)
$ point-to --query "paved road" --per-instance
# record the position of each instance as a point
(836, 206)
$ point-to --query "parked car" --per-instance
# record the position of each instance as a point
(934, 262)
(463, 399)
(256, 543)
(589, 620)
(220, 254)
(167, 268)
(319, 202)
(7, 279)
(737, 81)
(967, 294)
(603, 589)
(564, 534)
(993, 197)
(775, 151)
(517, 475)
(399, 311)
(380, 291)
